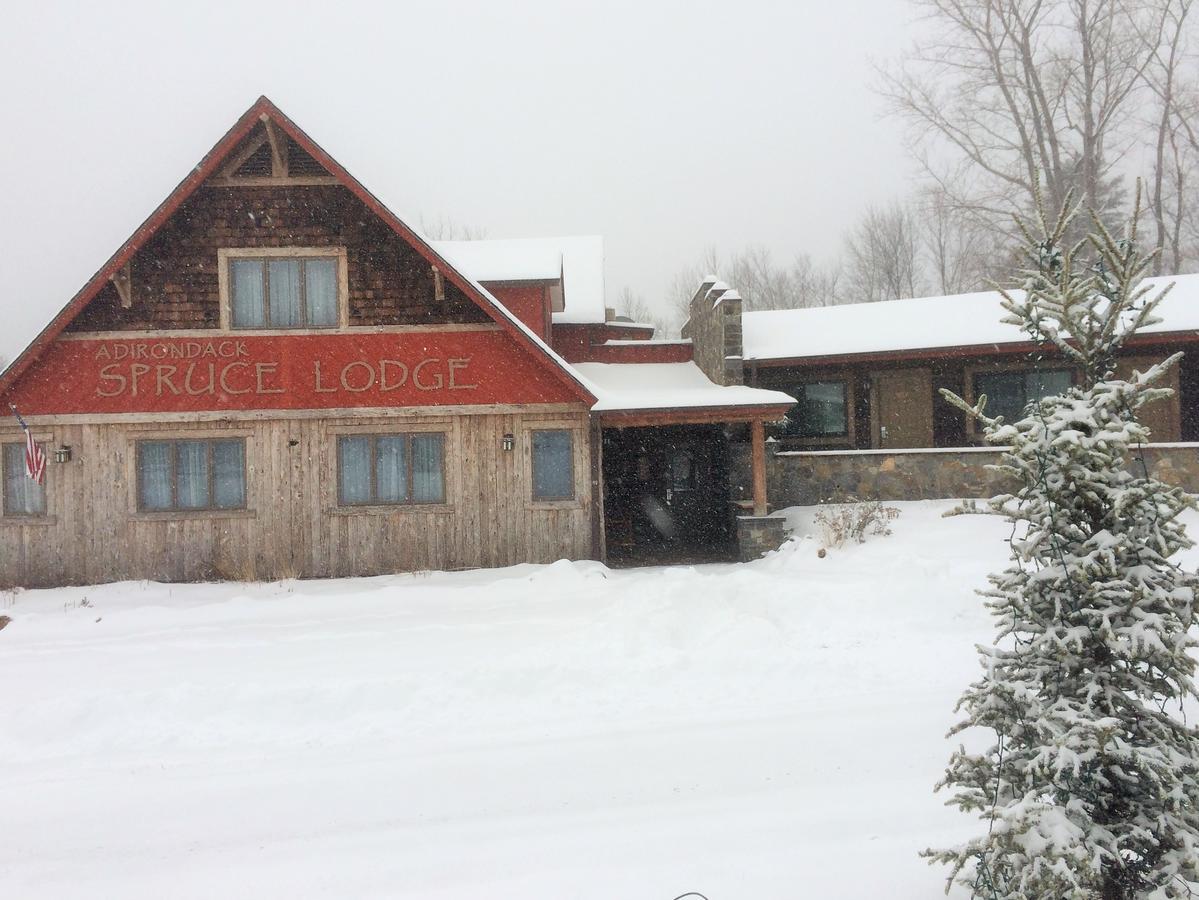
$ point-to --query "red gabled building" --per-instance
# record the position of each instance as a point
(275, 375)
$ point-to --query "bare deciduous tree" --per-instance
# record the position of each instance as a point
(762, 283)
(959, 247)
(444, 228)
(1175, 151)
(883, 255)
(1016, 92)
(633, 305)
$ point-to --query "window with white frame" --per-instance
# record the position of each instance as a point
(390, 469)
(553, 464)
(191, 475)
(22, 495)
(294, 291)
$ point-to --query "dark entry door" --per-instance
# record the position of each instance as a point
(689, 492)
(666, 493)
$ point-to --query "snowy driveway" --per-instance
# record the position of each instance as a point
(768, 730)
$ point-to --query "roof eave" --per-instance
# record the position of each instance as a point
(953, 352)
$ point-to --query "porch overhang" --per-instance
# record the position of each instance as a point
(633, 395)
(709, 415)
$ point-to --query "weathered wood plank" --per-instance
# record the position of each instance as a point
(292, 526)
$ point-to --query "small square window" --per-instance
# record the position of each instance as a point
(553, 465)
(390, 469)
(22, 495)
(822, 410)
(283, 292)
(191, 475)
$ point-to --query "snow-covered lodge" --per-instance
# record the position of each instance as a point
(276, 375)
(870, 420)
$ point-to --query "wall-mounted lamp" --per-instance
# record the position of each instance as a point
(63, 454)
(509, 442)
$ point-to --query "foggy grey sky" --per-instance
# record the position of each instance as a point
(666, 127)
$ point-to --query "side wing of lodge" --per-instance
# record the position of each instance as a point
(870, 420)
(276, 376)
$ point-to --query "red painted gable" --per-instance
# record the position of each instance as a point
(144, 373)
(539, 357)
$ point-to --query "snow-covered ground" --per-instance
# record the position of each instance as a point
(566, 731)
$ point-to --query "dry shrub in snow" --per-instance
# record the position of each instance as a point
(853, 520)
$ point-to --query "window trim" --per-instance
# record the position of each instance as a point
(27, 518)
(845, 399)
(225, 286)
(175, 511)
(787, 385)
(573, 498)
(372, 502)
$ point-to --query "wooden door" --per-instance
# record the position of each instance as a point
(694, 490)
(901, 408)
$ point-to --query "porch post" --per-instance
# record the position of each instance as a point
(759, 467)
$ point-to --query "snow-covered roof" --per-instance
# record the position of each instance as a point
(622, 387)
(923, 323)
(515, 260)
(650, 342)
(578, 261)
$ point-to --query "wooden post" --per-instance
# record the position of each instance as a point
(122, 280)
(278, 148)
(759, 467)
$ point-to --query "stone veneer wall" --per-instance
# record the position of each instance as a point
(714, 327)
(758, 535)
(807, 478)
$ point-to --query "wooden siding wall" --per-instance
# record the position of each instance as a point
(292, 526)
(174, 277)
(1167, 420)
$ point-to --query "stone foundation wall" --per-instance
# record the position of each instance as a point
(808, 478)
(758, 535)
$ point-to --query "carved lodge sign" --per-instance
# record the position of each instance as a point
(185, 374)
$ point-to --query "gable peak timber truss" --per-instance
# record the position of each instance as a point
(269, 157)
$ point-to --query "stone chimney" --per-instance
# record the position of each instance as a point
(714, 327)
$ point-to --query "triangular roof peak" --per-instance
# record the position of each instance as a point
(264, 112)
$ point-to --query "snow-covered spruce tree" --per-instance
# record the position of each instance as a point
(1091, 786)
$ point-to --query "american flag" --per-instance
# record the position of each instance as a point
(35, 456)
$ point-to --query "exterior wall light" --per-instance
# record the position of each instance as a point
(509, 442)
(63, 454)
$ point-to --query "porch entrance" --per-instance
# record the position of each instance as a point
(666, 495)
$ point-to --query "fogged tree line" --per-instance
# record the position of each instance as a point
(1003, 99)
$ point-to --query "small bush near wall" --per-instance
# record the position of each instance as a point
(852, 520)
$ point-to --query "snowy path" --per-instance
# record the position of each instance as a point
(770, 730)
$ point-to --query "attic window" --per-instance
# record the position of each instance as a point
(282, 288)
